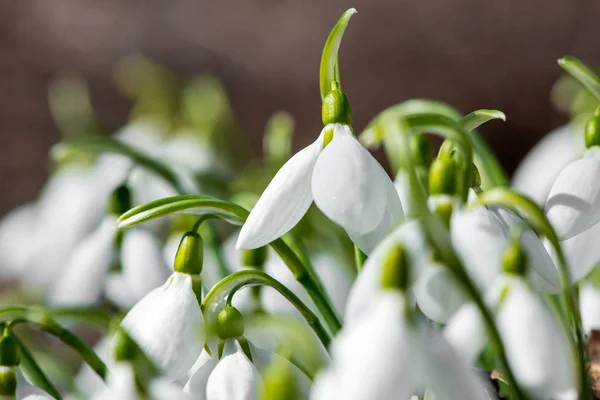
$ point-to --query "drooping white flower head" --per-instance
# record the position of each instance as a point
(343, 179)
(438, 294)
(529, 330)
(367, 287)
(168, 325)
(386, 357)
(573, 204)
(538, 170)
(480, 235)
(232, 377)
(82, 282)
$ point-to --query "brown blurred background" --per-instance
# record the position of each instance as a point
(469, 53)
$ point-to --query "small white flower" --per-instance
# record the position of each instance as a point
(385, 357)
(538, 170)
(168, 325)
(232, 377)
(343, 179)
(573, 204)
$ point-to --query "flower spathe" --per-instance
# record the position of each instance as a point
(342, 178)
(168, 325)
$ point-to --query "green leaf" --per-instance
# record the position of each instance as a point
(477, 118)
(581, 73)
(329, 71)
(187, 204)
(34, 372)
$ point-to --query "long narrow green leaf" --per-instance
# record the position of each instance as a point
(329, 71)
(34, 372)
(581, 73)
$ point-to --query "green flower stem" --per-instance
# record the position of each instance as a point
(329, 71)
(535, 217)
(582, 74)
(490, 168)
(98, 317)
(235, 214)
(34, 372)
(359, 258)
(22, 314)
(439, 237)
(227, 287)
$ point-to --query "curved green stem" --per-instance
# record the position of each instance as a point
(226, 288)
(22, 314)
(237, 215)
(582, 74)
(329, 71)
(439, 237)
(531, 213)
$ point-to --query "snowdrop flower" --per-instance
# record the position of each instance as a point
(573, 204)
(538, 170)
(589, 304)
(168, 325)
(480, 235)
(345, 182)
(387, 357)
(86, 277)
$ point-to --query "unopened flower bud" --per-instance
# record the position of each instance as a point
(443, 176)
(8, 382)
(190, 254)
(230, 323)
(442, 205)
(592, 130)
(336, 108)
(514, 259)
(395, 269)
(10, 355)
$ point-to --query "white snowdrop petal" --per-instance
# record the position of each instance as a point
(284, 202)
(120, 384)
(196, 385)
(465, 331)
(392, 217)
(582, 252)
(367, 285)
(479, 237)
(348, 184)
(142, 261)
(82, 282)
(234, 378)
(385, 369)
(573, 204)
(16, 230)
(438, 294)
(538, 170)
(589, 303)
(529, 330)
(446, 374)
(168, 325)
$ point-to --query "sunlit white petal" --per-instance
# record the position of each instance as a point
(589, 303)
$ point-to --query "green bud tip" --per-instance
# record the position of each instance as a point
(443, 206)
(255, 258)
(514, 259)
(120, 200)
(10, 355)
(443, 175)
(336, 108)
(230, 323)
(8, 382)
(592, 130)
(395, 269)
(190, 254)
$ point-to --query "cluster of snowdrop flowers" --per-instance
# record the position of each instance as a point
(443, 283)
